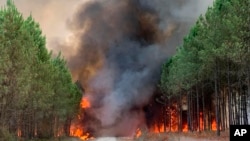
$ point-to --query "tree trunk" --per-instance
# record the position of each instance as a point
(170, 113)
(203, 107)
(229, 93)
(180, 113)
(248, 92)
(188, 112)
(198, 110)
(165, 118)
(216, 100)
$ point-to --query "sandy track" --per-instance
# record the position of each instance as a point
(144, 139)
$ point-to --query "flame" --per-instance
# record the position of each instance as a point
(77, 131)
(201, 121)
(138, 133)
(19, 132)
(86, 137)
(85, 103)
(185, 127)
(214, 125)
(158, 126)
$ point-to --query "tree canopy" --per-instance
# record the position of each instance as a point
(37, 95)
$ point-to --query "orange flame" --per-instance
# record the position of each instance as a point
(86, 137)
(158, 127)
(78, 132)
(185, 128)
(214, 125)
(138, 133)
(76, 128)
(85, 103)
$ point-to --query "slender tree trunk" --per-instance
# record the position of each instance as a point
(169, 115)
(198, 110)
(191, 113)
(245, 109)
(180, 113)
(217, 99)
(209, 117)
(188, 112)
(248, 92)
(222, 109)
(235, 108)
(203, 107)
(165, 118)
(229, 93)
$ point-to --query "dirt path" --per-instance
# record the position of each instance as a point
(192, 139)
(183, 138)
(192, 136)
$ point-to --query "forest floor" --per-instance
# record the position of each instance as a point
(190, 136)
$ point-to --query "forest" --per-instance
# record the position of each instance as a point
(37, 95)
(205, 85)
(211, 69)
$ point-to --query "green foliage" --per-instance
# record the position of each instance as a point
(221, 35)
(35, 88)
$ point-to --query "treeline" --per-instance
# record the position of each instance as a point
(37, 96)
(211, 69)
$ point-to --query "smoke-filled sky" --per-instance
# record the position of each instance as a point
(50, 14)
(115, 48)
(53, 15)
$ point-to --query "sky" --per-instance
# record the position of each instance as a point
(50, 14)
(53, 15)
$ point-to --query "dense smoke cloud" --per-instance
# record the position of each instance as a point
(120, 46)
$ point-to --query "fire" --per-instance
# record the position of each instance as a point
(85, 103)
(158, 126)
(19, 132)
(185, 128)
(214, 125)
(76, 128)
(138, 133)
(77, 131)
(85, 137)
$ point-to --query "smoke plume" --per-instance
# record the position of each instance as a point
(119, 48)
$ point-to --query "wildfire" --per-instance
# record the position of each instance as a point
(214, 125)
(173, 124)
(76, 128)
(85, 137)
(85, 103)
(185, 128)
(77, 131)
(138, 133)
(158, 128)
